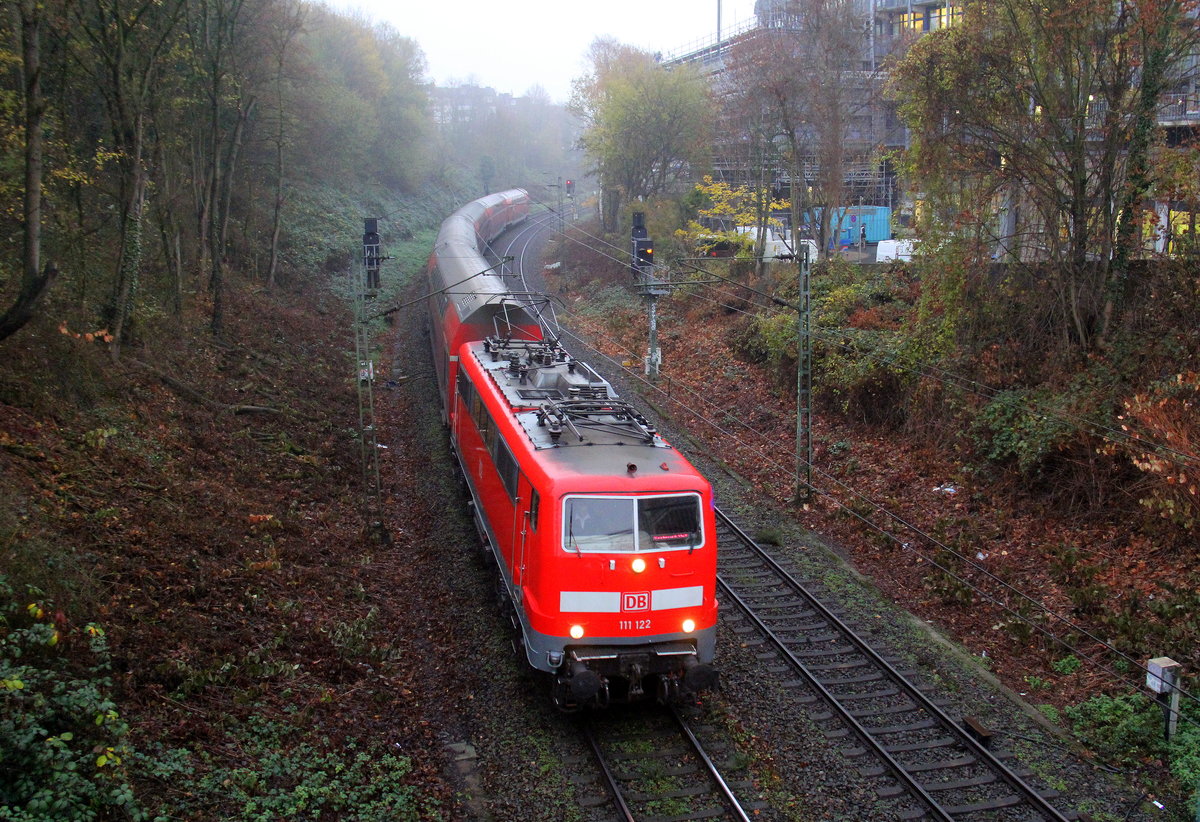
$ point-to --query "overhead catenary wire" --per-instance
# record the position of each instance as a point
(957, 378)
(975, 387)
(1180, 458)
(1063, 621)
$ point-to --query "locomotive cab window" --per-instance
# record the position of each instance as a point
(630, 524)
(669, 522)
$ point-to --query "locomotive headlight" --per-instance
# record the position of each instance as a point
(639, 565)
(576, 632)
(689, 625)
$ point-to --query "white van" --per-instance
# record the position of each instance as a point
(889, 250)
(776, 245)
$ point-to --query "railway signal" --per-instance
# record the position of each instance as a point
(642, 256)
(643, 253)
(637, 235)
(371, 253)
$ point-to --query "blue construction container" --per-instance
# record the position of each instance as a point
(877, 219)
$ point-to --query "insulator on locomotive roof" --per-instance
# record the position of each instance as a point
(570, 365)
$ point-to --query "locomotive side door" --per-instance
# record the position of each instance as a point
(524, 524)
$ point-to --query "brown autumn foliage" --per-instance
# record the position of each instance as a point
(1093, 556)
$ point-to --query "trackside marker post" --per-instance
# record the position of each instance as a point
(1162, 677)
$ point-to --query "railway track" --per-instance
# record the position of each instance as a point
(654, 767)
(925, 763)
(929, 766)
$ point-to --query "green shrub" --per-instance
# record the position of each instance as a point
(62, 743)
(1128, 729)
(1010, 428)
(279, 773)
(1125, 729)
(1067, 665)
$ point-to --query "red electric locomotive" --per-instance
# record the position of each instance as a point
(603, 533)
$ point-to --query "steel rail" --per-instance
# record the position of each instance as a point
(610, 779)
(713, 771)
(974, 746)
(710, 767)
(913, 786)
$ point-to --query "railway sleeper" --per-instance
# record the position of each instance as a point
(943, 764)
(869, 676)
(923, 745)
(679, 793)
(907, 707)
(920, 725)
(675, 770)
(1008, 801)
(886, 693)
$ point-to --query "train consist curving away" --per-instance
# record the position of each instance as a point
(603, 534)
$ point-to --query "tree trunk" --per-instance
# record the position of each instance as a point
(280, 180)
(130, 261)
(200, 187)
(610, 210)
(231, 160)
(34, 282)
(168, 227)
(1138, 178)
(216, 281)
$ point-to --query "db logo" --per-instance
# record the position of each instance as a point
(639, 601)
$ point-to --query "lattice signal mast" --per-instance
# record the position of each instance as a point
(367, 288)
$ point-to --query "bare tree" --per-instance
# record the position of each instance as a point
(35, 281)
(213, 29)
(285, 24)
(796, 83)
(121, 42)
(1054, 109)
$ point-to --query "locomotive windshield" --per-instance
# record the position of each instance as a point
(630, 524)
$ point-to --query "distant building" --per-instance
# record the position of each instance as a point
(453, 105)
(892, 25)
(776, 14)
